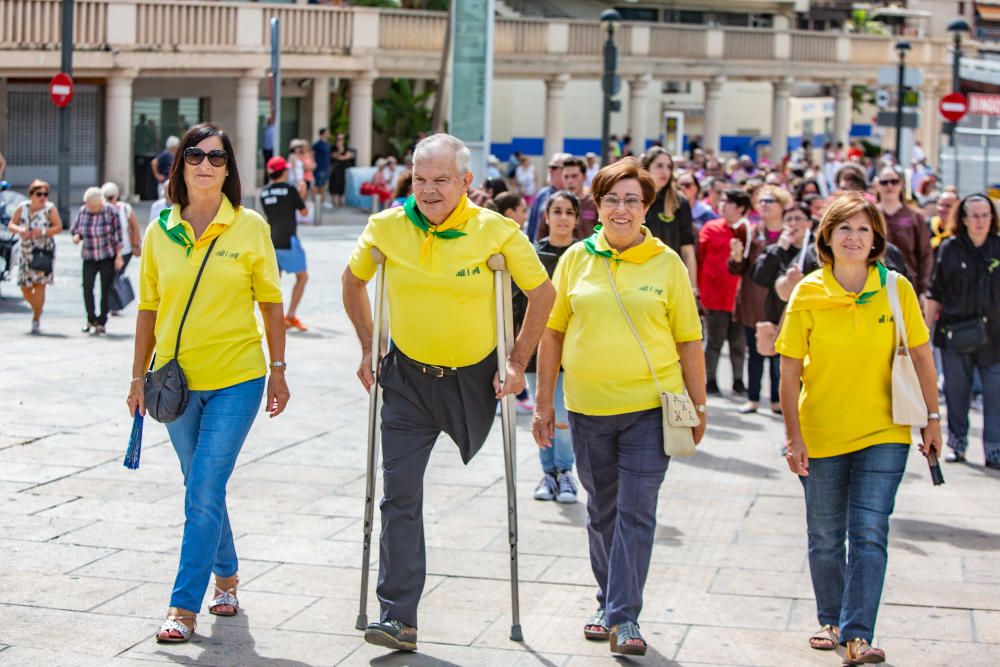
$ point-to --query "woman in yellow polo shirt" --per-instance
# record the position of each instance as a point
(837, 343)
(614, 408)
(220, 353)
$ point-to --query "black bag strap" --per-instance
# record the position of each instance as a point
(180, 328)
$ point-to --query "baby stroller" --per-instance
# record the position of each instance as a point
(8, 240)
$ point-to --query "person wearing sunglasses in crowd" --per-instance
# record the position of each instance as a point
(906, 227)
(208, 233)
(780, 256)
(36, 222)
(965, 295)
(690, 189)
(98, 229)
(669, 217)
(536, 212)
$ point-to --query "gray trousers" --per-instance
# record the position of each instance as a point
(416, 409)
(720, 327)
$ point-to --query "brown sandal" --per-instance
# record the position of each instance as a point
(860, 652)
(825, 639)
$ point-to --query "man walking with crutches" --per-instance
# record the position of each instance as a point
(441, 373)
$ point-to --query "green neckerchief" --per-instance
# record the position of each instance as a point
(590, 243)
(865, 297)
(177, 233)
(414, 215)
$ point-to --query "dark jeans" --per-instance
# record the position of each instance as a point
(755, 369)
(91, 269)
(851, 497)
(721, 327)
(416, 409)
(958, 381)
(621, 464)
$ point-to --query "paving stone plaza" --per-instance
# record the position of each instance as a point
(88, 549)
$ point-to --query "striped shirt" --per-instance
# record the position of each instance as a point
(101, 232)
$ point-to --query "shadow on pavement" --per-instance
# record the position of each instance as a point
(730, 465)
(229, 644)
(404, 659)
(918, 530)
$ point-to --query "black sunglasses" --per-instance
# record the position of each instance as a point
(41, 193)
(216, 158)
(889, 181)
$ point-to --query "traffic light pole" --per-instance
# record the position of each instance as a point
(899, 104)
(63, 194)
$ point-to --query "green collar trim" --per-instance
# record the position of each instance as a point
(177, 233)
(414, 215)
(865, 297)
(590, 243)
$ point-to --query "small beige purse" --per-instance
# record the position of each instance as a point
(679, 414)
(908, 405)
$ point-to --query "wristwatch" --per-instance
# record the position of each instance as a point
(702, 408)
(278, 364)
(934, 416)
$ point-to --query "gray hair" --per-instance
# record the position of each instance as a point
(110, 190)
(93, 194)
(435, 143)
(172, 142)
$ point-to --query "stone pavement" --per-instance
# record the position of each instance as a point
(88, 549)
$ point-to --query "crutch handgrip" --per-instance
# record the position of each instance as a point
(377, 255)
(497, 262)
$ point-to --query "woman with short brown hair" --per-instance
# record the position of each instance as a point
(37, 222)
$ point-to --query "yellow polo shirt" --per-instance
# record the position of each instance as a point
(441, 306)
(605, 372)
(220, 344)
(846, 400)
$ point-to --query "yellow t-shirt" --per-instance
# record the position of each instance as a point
(846, 399)
(441, 310)
(605, 372)
(220, 344)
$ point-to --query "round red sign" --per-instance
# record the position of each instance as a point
(61, 89)
(953, 106)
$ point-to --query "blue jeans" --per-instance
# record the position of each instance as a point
(559, 456)
(959, 370)
(851, 496)
(621, 464)
(208, 438)
(755, 369)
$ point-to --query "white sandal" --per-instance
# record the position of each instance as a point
(225, 598)
(173, 623)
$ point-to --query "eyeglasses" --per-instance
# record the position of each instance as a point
(767, 200)
(889, 181)
(216, 158)
(614, 201)
(554, 167)
(687, 185)
(40, 193)
(796, 218)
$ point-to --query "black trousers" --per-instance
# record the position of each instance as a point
(91, 269)
(416, 409)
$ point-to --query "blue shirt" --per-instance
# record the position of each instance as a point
(268, 141)
(322, 150)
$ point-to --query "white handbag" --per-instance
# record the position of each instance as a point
(908, 405)
(679, 414)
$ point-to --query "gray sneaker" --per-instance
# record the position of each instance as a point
(547, 488)
(393, 634)
(566, 487)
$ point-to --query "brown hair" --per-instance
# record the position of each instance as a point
(621, 170)
(177, 188)
(507, 201)
(575, 162)
(843, 208)
(671, 198)
(37, 184)
(779, 193)
(956, 221)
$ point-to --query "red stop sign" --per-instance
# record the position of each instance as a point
(953, 106)
(61, 89)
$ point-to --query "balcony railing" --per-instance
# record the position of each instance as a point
(310, 29)
(677, 42)
(412, 31)
(38, 23)
(814, 47)
(748, 44)
(517, 36)
(185, 24)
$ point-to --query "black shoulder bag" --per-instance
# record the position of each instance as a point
(166, 390)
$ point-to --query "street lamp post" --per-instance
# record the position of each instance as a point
(956, 28)
(901, 48)
(610, 81)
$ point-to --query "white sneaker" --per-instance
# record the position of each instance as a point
(566, 487)
(547, 488)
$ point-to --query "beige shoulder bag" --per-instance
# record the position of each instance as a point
(908, 405)
(679, 415)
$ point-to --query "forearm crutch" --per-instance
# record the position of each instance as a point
(380, 337)
(505, 342)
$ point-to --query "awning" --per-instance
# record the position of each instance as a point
(988, 12)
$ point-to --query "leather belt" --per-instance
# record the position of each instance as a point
(427, 369)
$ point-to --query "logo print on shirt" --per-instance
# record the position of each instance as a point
(227, 253)
(465, 273)
(651, 288)
(885, 318)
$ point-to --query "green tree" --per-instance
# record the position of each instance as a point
(402, 114)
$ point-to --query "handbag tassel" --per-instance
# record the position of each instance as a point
(134, 443)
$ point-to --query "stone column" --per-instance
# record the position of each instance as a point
(247, 94)
(713, 114)
(555, 131)
(779, 118)
(637, 108)
(320, 106)
(361, 118)
(843, 113)
(929, 132)
(118, 130)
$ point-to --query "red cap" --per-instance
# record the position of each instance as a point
(276, 164)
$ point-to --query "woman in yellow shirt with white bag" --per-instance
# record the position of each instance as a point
(837, 345)
(611, 389)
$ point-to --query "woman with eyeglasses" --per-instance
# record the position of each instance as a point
(36, 222)
(669, 218)
(207, 230)
(963, 309)
(614, 408)
(751, 297)
(906, 227)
